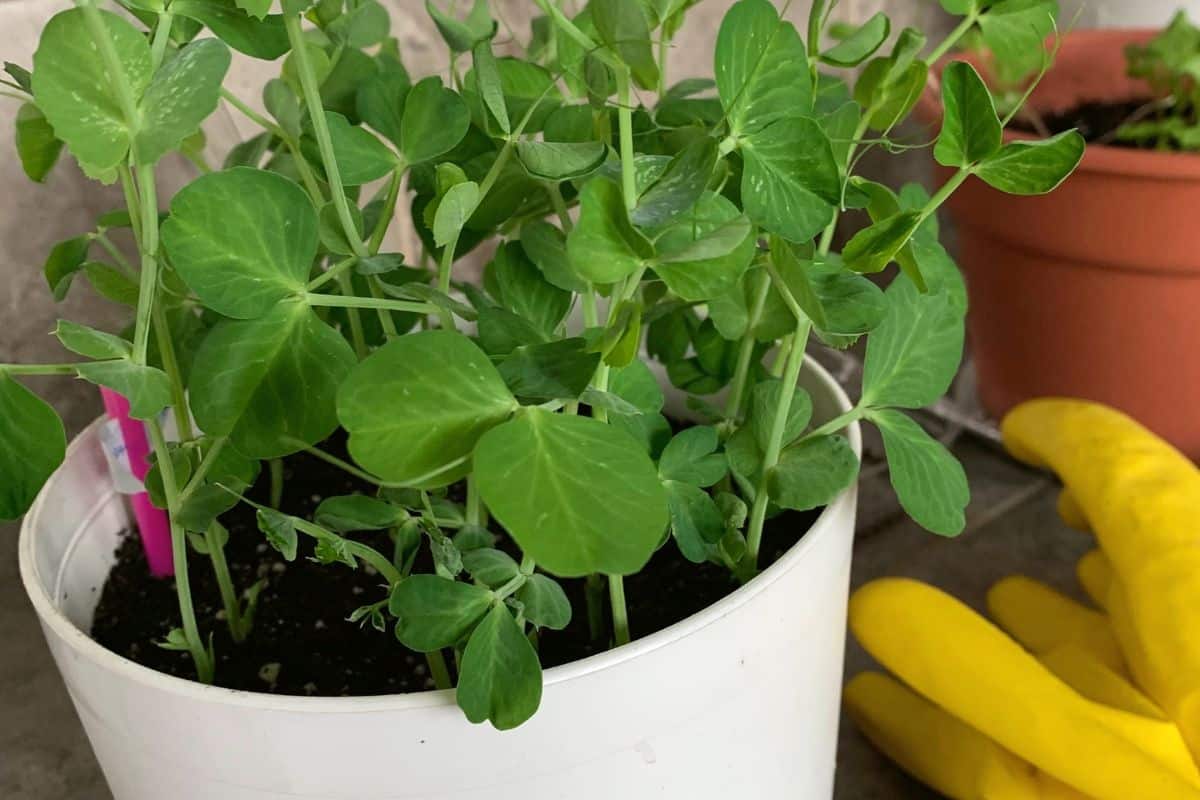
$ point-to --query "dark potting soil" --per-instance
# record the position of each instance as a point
(302, 643)
(1094, 121)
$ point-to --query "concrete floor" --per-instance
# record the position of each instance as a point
(1013, 528)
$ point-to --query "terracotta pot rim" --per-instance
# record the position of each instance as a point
(1098, 158)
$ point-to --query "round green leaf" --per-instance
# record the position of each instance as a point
(1033, 167)
(357, 512)
(704, 253)
(577, 495)
(73, 88)
(361, 158)
(419, 404)
(184, 91)
(604, 247)
(546, 604)
(264, 37)
(971, 131)
(791, 181)
(242, 240)
(915, 352)
(490, 567)
(435, 612)
(859, 45)
(37, 146)
(435, 120)
(696, 522)
(500, 678)
(32, 445)
(811, 473)
(270, 381)
(147, 389)
(561, 161)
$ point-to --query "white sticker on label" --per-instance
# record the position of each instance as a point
(113, 444)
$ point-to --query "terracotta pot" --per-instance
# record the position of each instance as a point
(1092, 291)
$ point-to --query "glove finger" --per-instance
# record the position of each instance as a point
(1093, 679)
(1071, 513)
(1094, 574)
(963, 663)
(939, 750)
(1042, 619)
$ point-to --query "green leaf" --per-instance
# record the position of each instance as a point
(561, 161)
(490, 567)
(696, 522)
(914, 353)
(604, 247)
(528, 90)
(764, 405)
(791, 179)
(691, 457)
(971, 131)
(500, 679)
(147, 389)
(546, 247)
(112, 284)
(434, 612)
(435, 120)
(203, 507)
(861, 44)
(577, 495)
(636, 385)
(332, 549)
(812, 473)
(21, 76)
(546, 604)
(264, 38)
(381, 101)
(761, 68)
(1015, 32)
(705, 253)
(248, 374)
(182, 94)
(73, 87)
(679, 186)
(37, 146)
(463, 35)
(455, 208)
(90, 342)
(364, 24)
(929, 481)
(624, 30)
(243, 240)
(32, 445)
(876, 246)
(550, 371)
(66, 258)
(1033, 167)
(890, 86)
(501, 331)
(491, 87)
(361, 158)
(255, 8)
(419, 404)
(357, 512)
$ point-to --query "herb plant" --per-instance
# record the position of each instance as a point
(1170, 65)
(689, 225)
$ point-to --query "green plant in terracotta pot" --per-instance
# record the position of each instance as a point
(501, 457)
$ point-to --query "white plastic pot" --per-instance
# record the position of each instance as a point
(740, 700)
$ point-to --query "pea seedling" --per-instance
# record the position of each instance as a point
(690, 224)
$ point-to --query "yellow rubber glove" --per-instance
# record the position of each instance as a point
(965, 665)
(1070, 513)
(1095, 574)
(1142, 498)
(1080, 670)
(1042, 619)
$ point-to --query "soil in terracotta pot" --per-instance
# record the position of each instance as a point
(302, 643)
(1096, 122)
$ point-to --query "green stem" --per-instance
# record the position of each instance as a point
(625, 129)
(229, 596)
(206, 465)
(275, 467)
(560, 206)
(376, 241)
(836, 424)
(382, 564)
(439, 670)
(187, 611)
(943, 194)
(733, 407)
(251, 114)
(116, 255)
(616, 596)
(445, 273)
(162, 37)
(475, 512)
(353, 301)
(831, 228)
(758, 512)
(344, 466)
(170, 362)
(149, 249)
(953, 37)
(332, 273)
(49, 369)
(357, 336)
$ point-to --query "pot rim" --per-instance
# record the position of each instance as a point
(87, 648)
(1097, 158)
